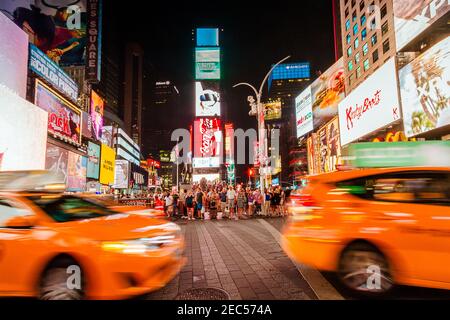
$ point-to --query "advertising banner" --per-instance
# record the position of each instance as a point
(13, 56)
(210, 162)
(107, 136)
(327, 92)
(322, 139)
(76, 172)
(94, 41)
(207, 138)
(93, 165)
(207, 63)
(64, 119)
(207, 99)
(43, 66)
(57, 160)
(207, 37)
(23, 133)
(372, 105)
(122, 174)
(303, 112)
(272, 110)
(97, 110)
(229, 143)
(107, 165)
(311, 155)
(425, 90)
(86, 127)
(411, 17)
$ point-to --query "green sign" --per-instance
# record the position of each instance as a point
(207, 63)
(399, 154)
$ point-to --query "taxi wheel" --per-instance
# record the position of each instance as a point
(365, 270)
(59, 283)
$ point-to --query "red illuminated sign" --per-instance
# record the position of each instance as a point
(207, 137)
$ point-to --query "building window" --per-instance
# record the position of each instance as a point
(383, 12)
(358, 72)
(353, 3)
(349, 51)
(372, 7)
(357, 58)
(386, 46)
(361, 5)
(350, 65)
(373, 24)
(363, 20)
(355, 29)
(366, 64)
(353, 16)
(347, 24)
(363, 34)
(375, 56)
(346, 12)
(365, 49)
(350, 79)
(374, 39)
(356, 43)
(384, 28)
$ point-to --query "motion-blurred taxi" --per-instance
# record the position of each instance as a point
(56, 246)
(375, 227)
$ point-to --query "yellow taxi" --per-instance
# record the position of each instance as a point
(57, 246)
(375, 227)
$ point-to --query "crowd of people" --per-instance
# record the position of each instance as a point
(219, 200)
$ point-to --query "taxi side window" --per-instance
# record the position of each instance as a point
(8, 210)
(408, 187)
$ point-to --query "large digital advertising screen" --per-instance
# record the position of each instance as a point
(207, 37)
(207, 99)
(272, 110)
(57, 160)
(371, 106)
(13, 56)
(57, 27)
(207, 139)
(327, 91)
(121, 180)
(23, 133)
(207, 63)
(93, 165)
(64, 118)
(76, 172)
(303, 112)
(97, 109)
(411, 17)
(107, 165)
(425, 90)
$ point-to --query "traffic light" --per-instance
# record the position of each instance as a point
(250, 172)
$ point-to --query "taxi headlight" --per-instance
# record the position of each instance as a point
(138, 246)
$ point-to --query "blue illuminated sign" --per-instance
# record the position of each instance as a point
(207, 37)
(296, 70)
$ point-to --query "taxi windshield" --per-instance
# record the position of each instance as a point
(69, 208)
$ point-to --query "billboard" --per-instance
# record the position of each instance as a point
(411, 17)
(310, 154)
(207, 99)
(64, 119)
(229, 143)
(13, 56)
(57, 160)
(107, 165)
(303, 112)
(23, 133)
(207, 63)
(76, 172)
(43, 66)
(272, 110)
(121, 177)
(295, 70)
(208, 176)
(207, 138)
(327, 91)
(58, 28)
(86, 125)
(371, 106)
(93, 165)
(207, 37)
(94, 40)
(97, 109)
(209, 162)
(425, 90)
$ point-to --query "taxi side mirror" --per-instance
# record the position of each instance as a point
(21, 222)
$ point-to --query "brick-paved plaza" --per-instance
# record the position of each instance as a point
(241, 257)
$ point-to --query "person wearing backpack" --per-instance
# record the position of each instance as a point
(190, 205)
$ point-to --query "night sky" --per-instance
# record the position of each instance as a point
(253, 37)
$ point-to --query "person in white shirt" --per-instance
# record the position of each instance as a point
(169, 204)
(231, 196)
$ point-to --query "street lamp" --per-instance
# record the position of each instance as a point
(259, 112)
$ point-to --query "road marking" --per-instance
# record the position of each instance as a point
(321, 287)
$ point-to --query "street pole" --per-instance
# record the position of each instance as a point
(262, 148)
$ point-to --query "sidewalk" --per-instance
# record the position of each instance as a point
(241, 257)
